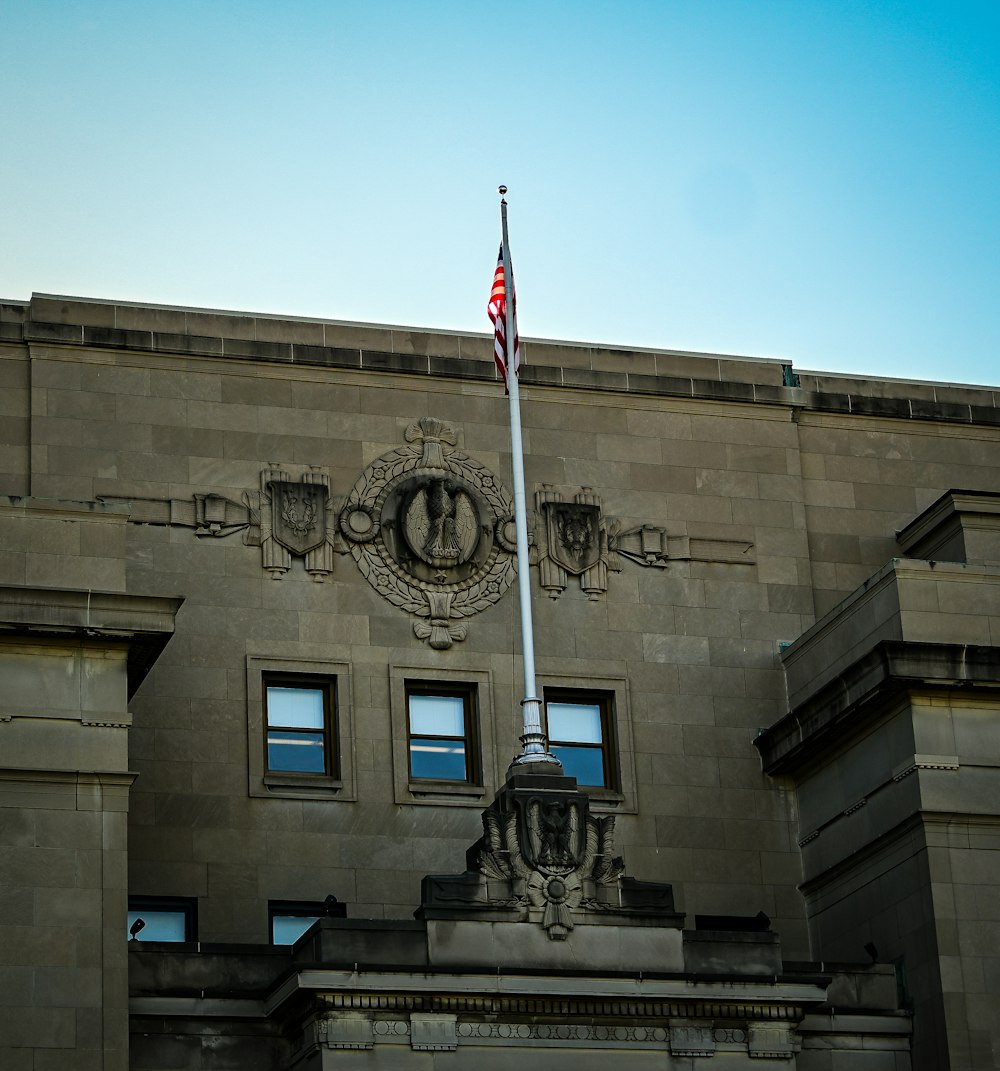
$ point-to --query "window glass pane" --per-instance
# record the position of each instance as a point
(295, 752)
(574, 721)
(440, 759)
(586, 764)
(295, 708)
(437, 715)
(160, 925)
(287, 929)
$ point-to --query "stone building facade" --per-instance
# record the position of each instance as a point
(260, 658)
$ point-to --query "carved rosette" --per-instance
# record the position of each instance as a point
(429, 529)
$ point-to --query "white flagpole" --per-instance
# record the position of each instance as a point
(534, 743)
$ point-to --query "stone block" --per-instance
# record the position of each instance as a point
(39, 1028)
(37, 331)
(222, 417)
(657, 477)
(290, 882)
(589, 377)
(182, 342)
(362, 336)
(276, 329)
(85, 405)
(251, 349)
(64, 987)
(457, 944)
(214, 324)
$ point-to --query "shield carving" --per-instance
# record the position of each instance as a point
(298, 515)
(574, 535)
(554, 832)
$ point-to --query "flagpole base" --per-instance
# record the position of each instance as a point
(534, 742)
(534, 750)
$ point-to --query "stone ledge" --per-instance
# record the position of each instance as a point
(892, 666)
(292, 340)
(930, 534)
(144, 622)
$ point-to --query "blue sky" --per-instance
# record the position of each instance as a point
(815, 180)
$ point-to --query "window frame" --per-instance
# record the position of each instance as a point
(468, 693)
(481, 775)
(619, 757)
(304, 682)
(339, 783)
(186, 906)
(604, 701)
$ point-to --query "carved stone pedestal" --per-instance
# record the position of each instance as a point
(545, 859)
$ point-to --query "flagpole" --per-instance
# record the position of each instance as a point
(534, 743)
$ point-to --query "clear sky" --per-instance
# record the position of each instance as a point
(815, 180)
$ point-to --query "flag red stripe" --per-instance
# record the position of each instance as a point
(496, 308)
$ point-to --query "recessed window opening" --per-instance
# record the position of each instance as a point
(440, 721)
(299, 716)
(161, 918)
(579, 735)
(290, 919)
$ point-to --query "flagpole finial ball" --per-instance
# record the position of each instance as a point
(502, 190)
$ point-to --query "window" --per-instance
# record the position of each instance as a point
(443, 747)
(581, 734)
(290, 919)
(162, 918)
(440, 724)
(299, 718)
(300, 741)
(588, 720)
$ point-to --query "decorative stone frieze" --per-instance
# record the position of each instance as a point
(586, 1033)
(576, 538)
(770, 1041)
(725, 1014)
(389, 1029)
(433, 1033)
(345, 1032)
(216, 516)
(645, 545)
(691, 1039)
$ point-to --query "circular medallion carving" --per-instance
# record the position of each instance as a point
(424, 522)
(358, 524)
(432, 527)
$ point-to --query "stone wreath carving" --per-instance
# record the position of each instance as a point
(553, 852)
(432, 531)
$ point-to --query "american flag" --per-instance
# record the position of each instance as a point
(497, 310)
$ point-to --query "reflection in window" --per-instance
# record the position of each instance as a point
(299, 715)
(440, 721)
(578, 729)
(290, 919)
(287, 929)
(161, 919)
